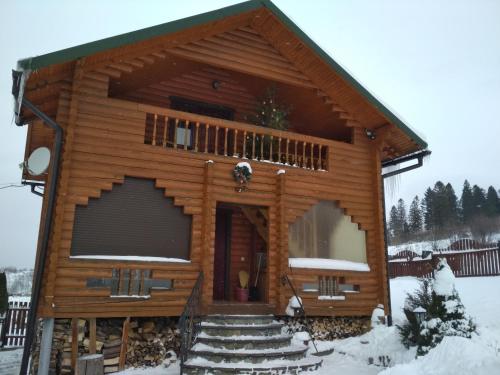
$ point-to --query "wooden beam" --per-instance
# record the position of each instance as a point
(251, 215)
(74, 342)
(92, 335)
(123, 349)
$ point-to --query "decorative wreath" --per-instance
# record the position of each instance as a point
(242, 173)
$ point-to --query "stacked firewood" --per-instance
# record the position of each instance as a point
(109, 342)
(328, 328)
(151, 341)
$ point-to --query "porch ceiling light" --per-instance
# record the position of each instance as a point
(216, 84)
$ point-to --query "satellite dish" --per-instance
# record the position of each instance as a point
(38, 162)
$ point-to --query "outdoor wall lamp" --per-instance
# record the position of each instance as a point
(370, 134)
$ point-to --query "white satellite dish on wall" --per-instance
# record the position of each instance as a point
(38, 162)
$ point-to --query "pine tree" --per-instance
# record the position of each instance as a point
(415, 220)
(478, 200)
(445, 314)
(427, 208)
(439, 206)
(402, 222)
(452, 206)
(467, 203)
(394, 223)
(4, 296)
(491, 207)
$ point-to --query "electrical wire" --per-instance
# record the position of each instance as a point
(10, 186)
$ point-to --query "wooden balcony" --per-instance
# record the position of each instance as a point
(213, 136)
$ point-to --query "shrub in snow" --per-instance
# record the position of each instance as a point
(445, 313)
(421, 299)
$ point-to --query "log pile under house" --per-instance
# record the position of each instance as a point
(146, 131)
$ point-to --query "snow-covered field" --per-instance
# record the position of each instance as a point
(455, 356)
(418, 247)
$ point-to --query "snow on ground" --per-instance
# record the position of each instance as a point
(10, 361)
(455, 355)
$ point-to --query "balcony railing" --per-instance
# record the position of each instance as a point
(196, 133)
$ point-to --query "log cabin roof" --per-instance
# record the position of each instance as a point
(315, 67)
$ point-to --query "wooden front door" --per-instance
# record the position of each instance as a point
(222, 255)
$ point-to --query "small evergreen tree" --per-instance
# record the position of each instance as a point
(4, 296)
(270, 113)
(410, 330)
(446, 313)
(415, 221)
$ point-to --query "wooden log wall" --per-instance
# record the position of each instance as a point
(197, 85)
(105, 142)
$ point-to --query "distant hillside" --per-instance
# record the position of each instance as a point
(18, 280)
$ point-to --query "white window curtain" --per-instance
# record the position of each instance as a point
(325, 232)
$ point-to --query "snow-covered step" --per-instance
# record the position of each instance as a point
(290, 353)
(245, 342)
(197, 366)
(221, 329)
(239, 319)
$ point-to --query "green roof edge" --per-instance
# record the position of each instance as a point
(344, 74)
(73, 53)
(82, 50)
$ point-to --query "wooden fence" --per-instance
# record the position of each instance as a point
(463, 263)
(13, 327)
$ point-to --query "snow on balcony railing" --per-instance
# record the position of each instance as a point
(203, 134)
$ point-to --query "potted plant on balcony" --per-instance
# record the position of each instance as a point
(242, 290)
(269, 114)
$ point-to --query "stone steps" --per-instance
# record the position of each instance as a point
(289, 353)
(214, 329)
(247, 344)
(239, 319)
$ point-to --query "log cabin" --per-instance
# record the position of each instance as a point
(222, 145)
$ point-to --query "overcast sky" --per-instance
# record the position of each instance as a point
(434, 63)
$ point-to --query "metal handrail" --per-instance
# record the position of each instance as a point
(189, 321)
(284, 280)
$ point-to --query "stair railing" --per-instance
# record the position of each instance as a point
(302, 312)
(189, 322)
